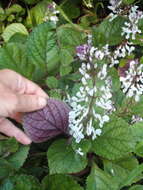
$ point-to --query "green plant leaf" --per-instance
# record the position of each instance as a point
(12, 29)
(100, 180)
(5, 168)
(109, 32)
(115, 141)
(120, 169)
(13, 56)
(42, 47)
(132, 176)
(8, 146)
(136, 187)
(52, 82)
(62, 159)
(37, 13)
(62, 182)
(25, 182)
(70, 9)
(18, 158)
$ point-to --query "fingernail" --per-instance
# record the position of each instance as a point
(42, 102)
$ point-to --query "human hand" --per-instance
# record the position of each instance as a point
(18, 95)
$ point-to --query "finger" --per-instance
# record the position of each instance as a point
(20, 84)
(28, 103)
(32, 88)
(7, 128)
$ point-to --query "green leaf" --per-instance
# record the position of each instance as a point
(132, 176)
(62, 182)
(18, 158)
(70, 9)
(66, 57)
(25, 182)
(120, 169)
(55, 93)
(62, 158)
(136, 187)
(5, 168)
(19, 38)
(109, 32)
(100, 180)
(13, 56)
(64, 70)
(36, 14)
(115, 141)
(128, 2)
(12, 29)
(139, 149)
(137, 107)
(8, 146)
(52, 82)
(137, 130)
(15, 8)
(42, 47)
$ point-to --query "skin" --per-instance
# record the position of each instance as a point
(18, 95)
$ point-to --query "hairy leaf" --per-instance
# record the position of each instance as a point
(109, 32)
(12, 29)
(48, 122)
(62, 182)
(116, 140)
(18, 158)
(100, 180)
(62, 158)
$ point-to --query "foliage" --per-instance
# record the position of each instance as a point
(87, 54)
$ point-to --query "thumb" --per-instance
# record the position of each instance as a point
(27, 103)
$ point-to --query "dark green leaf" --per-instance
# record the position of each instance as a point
(61, 182)
(109, 32)
(13, 56)
(100, 180)
(18, 158)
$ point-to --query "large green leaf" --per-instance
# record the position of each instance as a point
(116, 140)
(25, 182)
(12, 29)
(18, 158)
(100, 180)
(62, 158)
(42, 47)
(132, 176)
(5, 168)
(36, 14)
(49, 47)
(120, 169)
(109, 32)
(13, 56)
(61, 182)
(8, 146)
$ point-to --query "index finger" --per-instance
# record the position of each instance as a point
(20, 84)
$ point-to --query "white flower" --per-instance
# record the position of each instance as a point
(79, 151)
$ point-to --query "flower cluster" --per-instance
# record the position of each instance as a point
(114, 7)
(51, 13)
(136, 118)
(92, 104)
(132, 82)
(131, 27)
